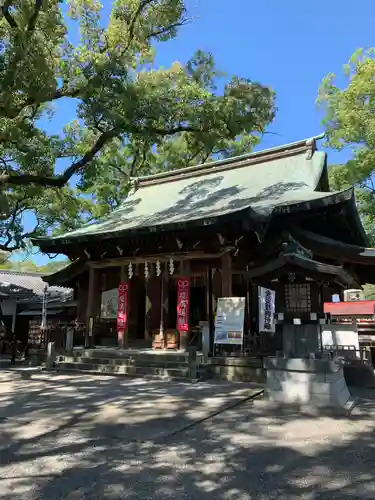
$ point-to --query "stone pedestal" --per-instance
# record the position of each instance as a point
(206, 341)
(192, 360)
(307, 382)
(51, 356)
(69, 338)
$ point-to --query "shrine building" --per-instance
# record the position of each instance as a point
(151, 273)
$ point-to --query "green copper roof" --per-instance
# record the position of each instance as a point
(278, 180)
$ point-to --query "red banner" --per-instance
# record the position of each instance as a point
(183, 303)
(122, 306)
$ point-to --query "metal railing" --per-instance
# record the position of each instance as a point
(349, 353)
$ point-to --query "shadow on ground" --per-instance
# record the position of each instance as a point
(78, 437)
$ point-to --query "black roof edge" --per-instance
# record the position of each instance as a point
(363, 253)
(330, 199)
(67, 273)
(302, 262)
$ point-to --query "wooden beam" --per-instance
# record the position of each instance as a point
(155, 257)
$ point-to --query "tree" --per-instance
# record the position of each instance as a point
(369, 292)
(350, 121)
(128, 113)
(29, 266)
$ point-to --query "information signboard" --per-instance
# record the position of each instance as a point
(229, 321)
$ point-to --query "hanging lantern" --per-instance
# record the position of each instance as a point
(171, 267)
(146, 270)
(158, 268)
(130, 270)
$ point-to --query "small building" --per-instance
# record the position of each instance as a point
(152, 271)
(21, 298)
(359, 312)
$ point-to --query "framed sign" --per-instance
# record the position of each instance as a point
(229, 321)
(108, 307)
(183, 304)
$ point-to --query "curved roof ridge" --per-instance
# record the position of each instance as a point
(304, 145)
(15, 272)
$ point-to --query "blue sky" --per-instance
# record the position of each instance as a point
(289, 45)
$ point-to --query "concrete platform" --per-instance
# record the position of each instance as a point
(308, 383)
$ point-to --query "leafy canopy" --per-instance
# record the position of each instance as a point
(31, 267)
(350, 121)
(131, 118)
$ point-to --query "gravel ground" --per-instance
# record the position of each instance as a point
(85, 437)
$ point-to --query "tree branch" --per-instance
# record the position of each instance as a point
(133, 164)
(8, 16)
(31, 101)
(5, 248)
(8, 235)
(33, 19)
(116, 167)
(60, 180)
(165, 30)
(137, 14)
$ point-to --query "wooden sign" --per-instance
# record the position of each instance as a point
(183, 303)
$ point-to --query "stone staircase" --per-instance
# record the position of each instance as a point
(134, 363)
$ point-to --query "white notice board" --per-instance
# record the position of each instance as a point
(108, 308)
(229, 321)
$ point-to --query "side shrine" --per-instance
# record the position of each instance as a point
(152, 273)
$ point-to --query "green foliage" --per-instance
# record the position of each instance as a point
(131, 118)
(30, 266)
(350, 121)
(369, 291)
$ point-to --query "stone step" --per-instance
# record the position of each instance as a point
(147, 362)
(133, 371)
(96, 354)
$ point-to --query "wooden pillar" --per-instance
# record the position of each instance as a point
(216, 287)
(210, 308)
(93, 290)
(164, 298)
(153, 309)
(79, 297)
(226, 275)
(147, 310)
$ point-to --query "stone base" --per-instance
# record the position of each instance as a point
(306, 410)
(307, 382)
(236, 369)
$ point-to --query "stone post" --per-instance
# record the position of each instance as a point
(69, 338)
(192, 362)
(51, 356)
